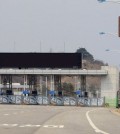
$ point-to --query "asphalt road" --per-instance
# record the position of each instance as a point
(36, 119)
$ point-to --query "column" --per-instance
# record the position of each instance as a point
(41, 85)
(110, 85)
(46, 87)
(83, 82)
(25, 82)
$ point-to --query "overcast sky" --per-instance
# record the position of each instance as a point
(75, 23)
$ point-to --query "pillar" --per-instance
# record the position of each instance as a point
(110, 85)
(52, 87)
(41, 88)
(46, 79)
(10, 82)
(25, 82)
(83, 83)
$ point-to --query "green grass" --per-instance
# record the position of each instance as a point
(111, 102)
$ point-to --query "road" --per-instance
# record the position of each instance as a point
(36, 119)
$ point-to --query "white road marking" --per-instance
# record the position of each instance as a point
(14, 125)
(5, 124)
(50, 126)
(9, 125)
(31, 125)
(61, 126)
(6, 114)
(53, 126)
(97, 130)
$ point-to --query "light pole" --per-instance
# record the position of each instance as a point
(112, 1)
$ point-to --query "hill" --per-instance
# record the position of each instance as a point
(93, 83)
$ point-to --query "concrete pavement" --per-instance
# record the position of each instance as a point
(34, 119)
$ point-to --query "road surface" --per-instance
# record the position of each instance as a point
(36, 119)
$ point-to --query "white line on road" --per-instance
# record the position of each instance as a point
(53, 126)
(31, 125)
(6, 114)
(10, 125)
(61, 126)
(97, 130)
(5, 124)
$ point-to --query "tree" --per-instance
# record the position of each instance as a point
(86, 55)
(68, 89)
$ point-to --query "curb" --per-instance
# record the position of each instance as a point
(115, 112)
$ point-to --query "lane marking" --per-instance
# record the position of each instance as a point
(31, 125)
(50, 126)
(5, 124)
(14, 125)
(6, 114)
(97, 130)
(53, 126)
(9, 125)
(61, 126)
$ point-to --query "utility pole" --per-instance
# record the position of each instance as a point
(119, 26)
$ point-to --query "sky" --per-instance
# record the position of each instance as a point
(60, 26)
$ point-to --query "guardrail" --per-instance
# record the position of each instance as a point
(58, 101)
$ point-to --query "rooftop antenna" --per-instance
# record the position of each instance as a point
(14, 46)
(40, 47)
(64, 46)
(51, 50)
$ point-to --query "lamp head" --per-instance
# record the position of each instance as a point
(107, 50)
(101, 33)
(101, 1)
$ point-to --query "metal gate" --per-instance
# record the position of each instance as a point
(58, 101)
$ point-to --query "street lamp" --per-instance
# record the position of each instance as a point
(103, 33)
(112, 1)
(116, 51)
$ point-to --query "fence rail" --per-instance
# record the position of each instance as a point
(59, 101)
